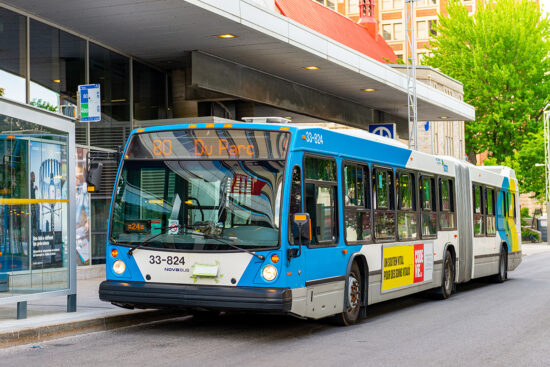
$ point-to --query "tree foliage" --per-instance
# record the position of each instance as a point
(531, 178)
(500, 54)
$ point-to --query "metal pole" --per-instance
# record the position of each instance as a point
(410, 53)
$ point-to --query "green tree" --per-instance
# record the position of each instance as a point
(530, 177)
(500, 54)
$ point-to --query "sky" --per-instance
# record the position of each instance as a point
(545, 5)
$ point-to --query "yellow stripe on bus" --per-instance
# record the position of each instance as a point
(31, 201)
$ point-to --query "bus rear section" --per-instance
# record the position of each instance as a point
(195, 221)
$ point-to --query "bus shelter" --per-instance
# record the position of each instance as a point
(37, 206)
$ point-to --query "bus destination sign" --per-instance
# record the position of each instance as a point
(209, 144)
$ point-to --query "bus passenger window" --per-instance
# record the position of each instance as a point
(447, 205)
(490, 210)
(479, 218)
(407, 216)
(357, 218)
(428, 207)
(295, 205)
(320, 199)
(384, 214)
(512, 211)
(382, 200)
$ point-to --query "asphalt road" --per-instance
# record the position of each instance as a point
(484, 324)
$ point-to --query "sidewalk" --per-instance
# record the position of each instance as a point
(48, 319)
(534, 248)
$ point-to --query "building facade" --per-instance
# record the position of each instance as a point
(390, 15)
(170, 63)
(441, 137)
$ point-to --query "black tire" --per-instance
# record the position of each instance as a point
(448, 276)
(352, 315)
(502, 274)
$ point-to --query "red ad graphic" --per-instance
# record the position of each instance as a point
(246, 185)
(418, 263)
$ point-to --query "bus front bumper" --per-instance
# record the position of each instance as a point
(157, 295)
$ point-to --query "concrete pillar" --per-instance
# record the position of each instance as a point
(181, 107)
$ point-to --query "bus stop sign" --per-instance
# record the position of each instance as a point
(385, 130)
(89, 102)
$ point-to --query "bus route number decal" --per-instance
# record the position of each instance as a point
(162, 147)
(314, 138)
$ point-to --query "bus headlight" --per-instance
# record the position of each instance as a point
(119, 267)
(269, 273)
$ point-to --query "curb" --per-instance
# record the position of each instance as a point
(54, 331)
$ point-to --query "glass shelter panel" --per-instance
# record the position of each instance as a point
(33, 208)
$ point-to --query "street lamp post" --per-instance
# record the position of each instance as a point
(547, 168)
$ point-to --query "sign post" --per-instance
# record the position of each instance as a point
(89, 103)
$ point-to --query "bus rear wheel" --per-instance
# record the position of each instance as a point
(502, 274)
(448, 279)
(351, 315)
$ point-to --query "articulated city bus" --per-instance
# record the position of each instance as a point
(299, 220)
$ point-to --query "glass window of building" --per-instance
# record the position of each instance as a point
(12, 55)
(331, 4)
(58, 66)
(421, 29)
(352, 7)
(398, 31)
(432, 23)
(397, 4)
(149, 93)
(328, 3)
(112, 72)
(387, 4)
(387, 31)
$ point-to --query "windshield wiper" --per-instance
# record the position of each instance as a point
(225, 241)
(147, 241)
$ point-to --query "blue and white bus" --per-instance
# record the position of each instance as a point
(299, 220)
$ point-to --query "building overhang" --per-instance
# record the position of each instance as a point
(160, 32)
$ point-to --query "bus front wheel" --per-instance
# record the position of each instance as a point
(353, 304)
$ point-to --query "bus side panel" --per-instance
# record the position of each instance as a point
(508, 230)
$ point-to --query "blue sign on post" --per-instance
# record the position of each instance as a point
(89, 102)
(385, 130)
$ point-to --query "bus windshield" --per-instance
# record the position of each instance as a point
(190, 204)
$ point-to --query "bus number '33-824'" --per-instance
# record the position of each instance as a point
(169, 260)
(314, 138)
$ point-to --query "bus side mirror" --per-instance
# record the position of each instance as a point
(93, 177)
(301, 224)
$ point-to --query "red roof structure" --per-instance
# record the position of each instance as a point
(336, 26)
